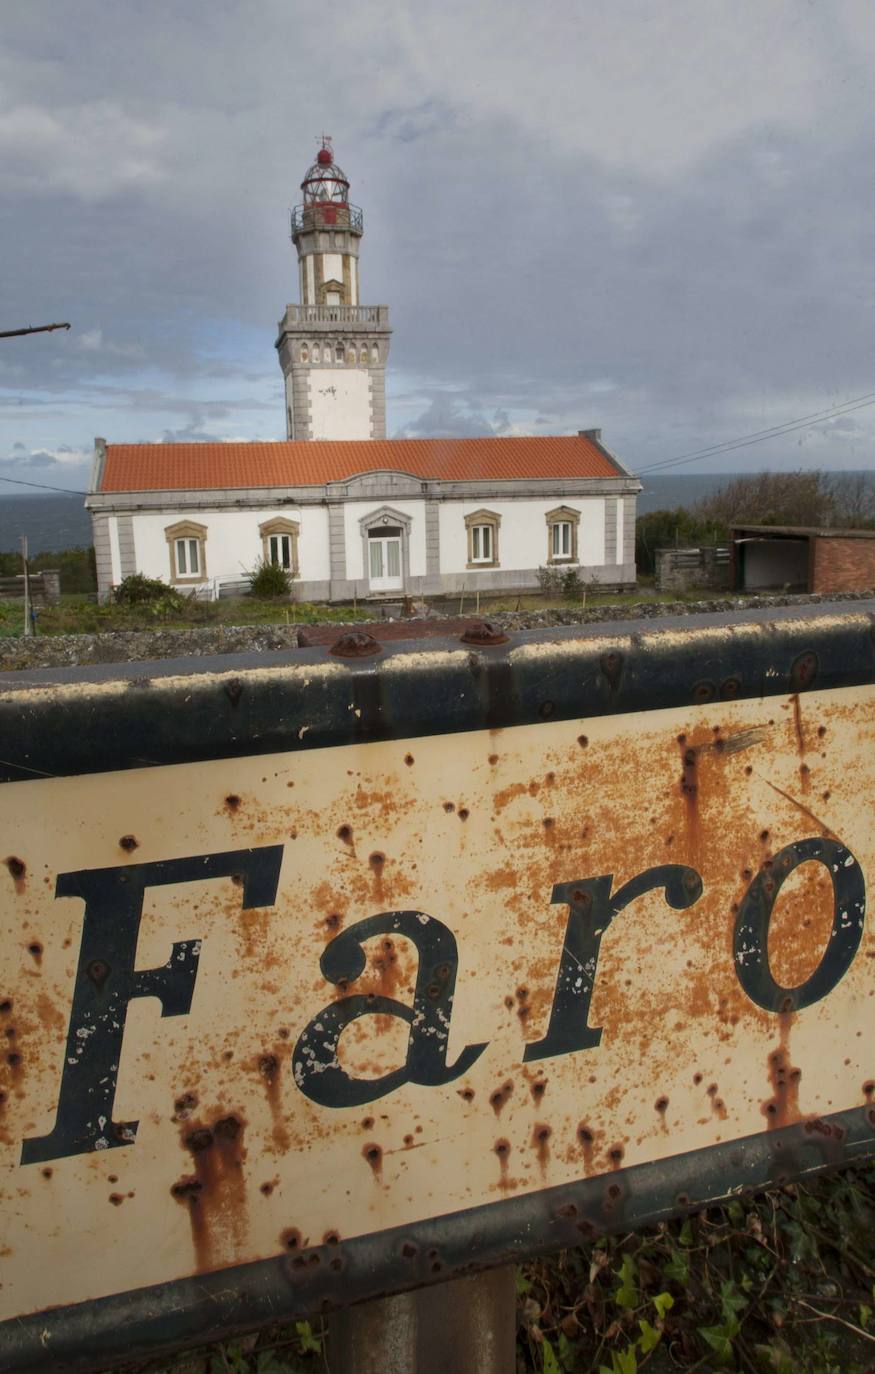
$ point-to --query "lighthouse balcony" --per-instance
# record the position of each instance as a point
(326, 214)
(349, 316)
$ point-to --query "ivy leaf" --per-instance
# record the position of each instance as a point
(686, 1235)
(731, 1300)
(622, 1362)
(267, 1363)
(649, 1337)
(568, 1352)
(522, 1283)
(551, 1364)
(662, 1302)
(627, 1294)
(308, 1340)
(865, 1314)
(719, 1341)
(677, 1268)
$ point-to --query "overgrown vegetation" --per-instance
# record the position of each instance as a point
(842, 500)
(139, 590)
(837, 500)
(76, 567)
(269, 581)
(559, 582)
(168, 611)
(781, 1283)
(668, 529)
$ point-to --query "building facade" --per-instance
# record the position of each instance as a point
(395, 517)
(332, 349)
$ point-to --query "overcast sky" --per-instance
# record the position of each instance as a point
(653, 216)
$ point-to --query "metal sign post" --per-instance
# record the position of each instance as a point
(28, 622)
(333, 975)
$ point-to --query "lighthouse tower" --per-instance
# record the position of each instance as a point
(332, 349)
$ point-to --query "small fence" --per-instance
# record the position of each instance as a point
(45, 588)
(680, 570)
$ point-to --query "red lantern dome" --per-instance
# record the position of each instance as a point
(326, 196)
(324, 182)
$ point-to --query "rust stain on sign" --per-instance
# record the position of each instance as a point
(309, 1003)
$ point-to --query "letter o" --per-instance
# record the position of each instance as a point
(750, 942)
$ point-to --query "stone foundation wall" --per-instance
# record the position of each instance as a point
(122, 646)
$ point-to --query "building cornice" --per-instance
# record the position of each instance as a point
(235, 498)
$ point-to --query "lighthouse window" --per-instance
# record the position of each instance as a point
(339, 353)
(279, 543)
(186, 543)
(562, 539)
(332, 298)
(481, 543)
(187, 560)
(562, 528)
(280, 549)
(482, 526)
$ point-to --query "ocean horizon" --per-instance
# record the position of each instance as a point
(55, 522)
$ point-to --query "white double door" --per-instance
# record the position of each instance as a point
(384, 562)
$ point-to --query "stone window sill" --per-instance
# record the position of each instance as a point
(493, 563)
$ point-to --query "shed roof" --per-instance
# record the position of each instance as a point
(798, 532)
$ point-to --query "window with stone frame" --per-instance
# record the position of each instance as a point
(279, 543)
(482, 527)
(187, 548)
(562, 530)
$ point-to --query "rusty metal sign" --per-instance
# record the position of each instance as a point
(291, 1028)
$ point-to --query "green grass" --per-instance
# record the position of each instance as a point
(643, 594)
(78, 614)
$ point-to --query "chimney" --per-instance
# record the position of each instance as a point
(594, 434)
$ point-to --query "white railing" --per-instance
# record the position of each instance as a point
(338, 314)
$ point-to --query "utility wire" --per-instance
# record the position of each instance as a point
(43, 486)
(759, 436)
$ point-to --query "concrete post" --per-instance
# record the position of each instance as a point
(466, 1326)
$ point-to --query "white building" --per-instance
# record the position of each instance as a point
(369, 517)
(345, 510)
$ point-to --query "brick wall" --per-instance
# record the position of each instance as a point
(844, 565)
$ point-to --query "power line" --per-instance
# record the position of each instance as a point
(759, 436)
(43, 486)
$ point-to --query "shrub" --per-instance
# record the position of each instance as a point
(571, 584)
(139, 590)
(269, 581)
(550, 581)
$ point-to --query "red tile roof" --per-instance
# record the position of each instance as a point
(202, 467)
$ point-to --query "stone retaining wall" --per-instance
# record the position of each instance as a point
(126, 646)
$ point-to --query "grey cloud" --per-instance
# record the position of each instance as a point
(445, 417)
(677, 285)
